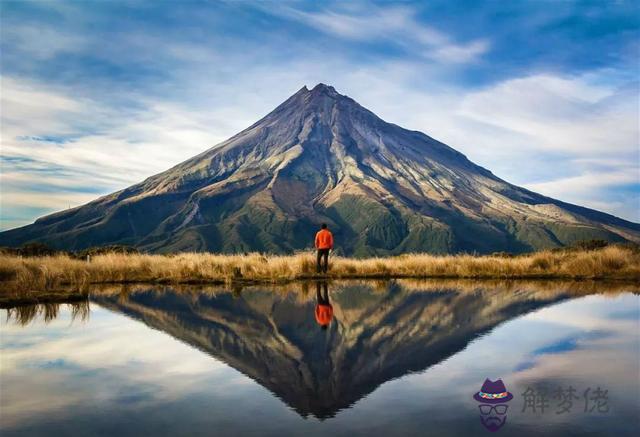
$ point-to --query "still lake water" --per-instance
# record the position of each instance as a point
(397, 358)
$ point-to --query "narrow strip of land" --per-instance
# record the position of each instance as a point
(24, 274)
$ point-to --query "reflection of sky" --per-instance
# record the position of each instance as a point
(110, 360)
(579, 343)
(113, 373)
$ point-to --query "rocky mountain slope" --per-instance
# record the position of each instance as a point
(321, 157)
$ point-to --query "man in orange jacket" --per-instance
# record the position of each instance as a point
(324, 243)
(324, 310)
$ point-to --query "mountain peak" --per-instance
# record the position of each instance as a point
(319, 93)
(322, 88)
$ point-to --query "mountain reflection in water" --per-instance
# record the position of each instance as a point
(374, 336)
(394, 358)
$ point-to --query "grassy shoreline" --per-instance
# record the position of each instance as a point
(50, 273)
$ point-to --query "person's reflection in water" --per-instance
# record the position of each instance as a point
(324, 310)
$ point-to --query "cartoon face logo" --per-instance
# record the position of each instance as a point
(493, 398)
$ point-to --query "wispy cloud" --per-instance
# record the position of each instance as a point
(53, 142)
(586, 183)
(562, 114)
(42, 42)
(394, 24)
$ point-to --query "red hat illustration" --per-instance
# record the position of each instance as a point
(493, 392)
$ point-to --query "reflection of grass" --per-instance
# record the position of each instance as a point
(51, 273)
(304, 290)
(11, 296)
(24, 314)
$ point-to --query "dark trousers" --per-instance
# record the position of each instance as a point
(322, 300)
(320, 266)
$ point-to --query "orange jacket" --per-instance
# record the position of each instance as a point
(324, 239)
(324, 314)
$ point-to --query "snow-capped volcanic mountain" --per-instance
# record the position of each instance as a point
(321, 157)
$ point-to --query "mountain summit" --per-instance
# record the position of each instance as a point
(321, 157)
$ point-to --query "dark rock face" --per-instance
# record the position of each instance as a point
(321, 157)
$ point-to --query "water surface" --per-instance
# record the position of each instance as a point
(397, 358)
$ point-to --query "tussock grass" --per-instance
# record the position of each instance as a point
(52, 272)
(25, 314)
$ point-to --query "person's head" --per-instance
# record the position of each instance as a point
(323, 226)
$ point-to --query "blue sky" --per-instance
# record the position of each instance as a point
(98, 95)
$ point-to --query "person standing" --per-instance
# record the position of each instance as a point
(324, 243)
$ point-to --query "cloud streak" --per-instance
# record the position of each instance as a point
(397, 25)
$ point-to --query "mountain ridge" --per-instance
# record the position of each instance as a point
(321, 157)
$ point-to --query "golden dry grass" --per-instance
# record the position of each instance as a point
(50, 273)
(25, 314)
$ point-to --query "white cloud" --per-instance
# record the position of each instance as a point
(460, 53)
(586, 183)
(102, 149)
(41, 42)
(396, 24)
(52, 201)
(353, 26)
(562, 114)
(24, 105)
